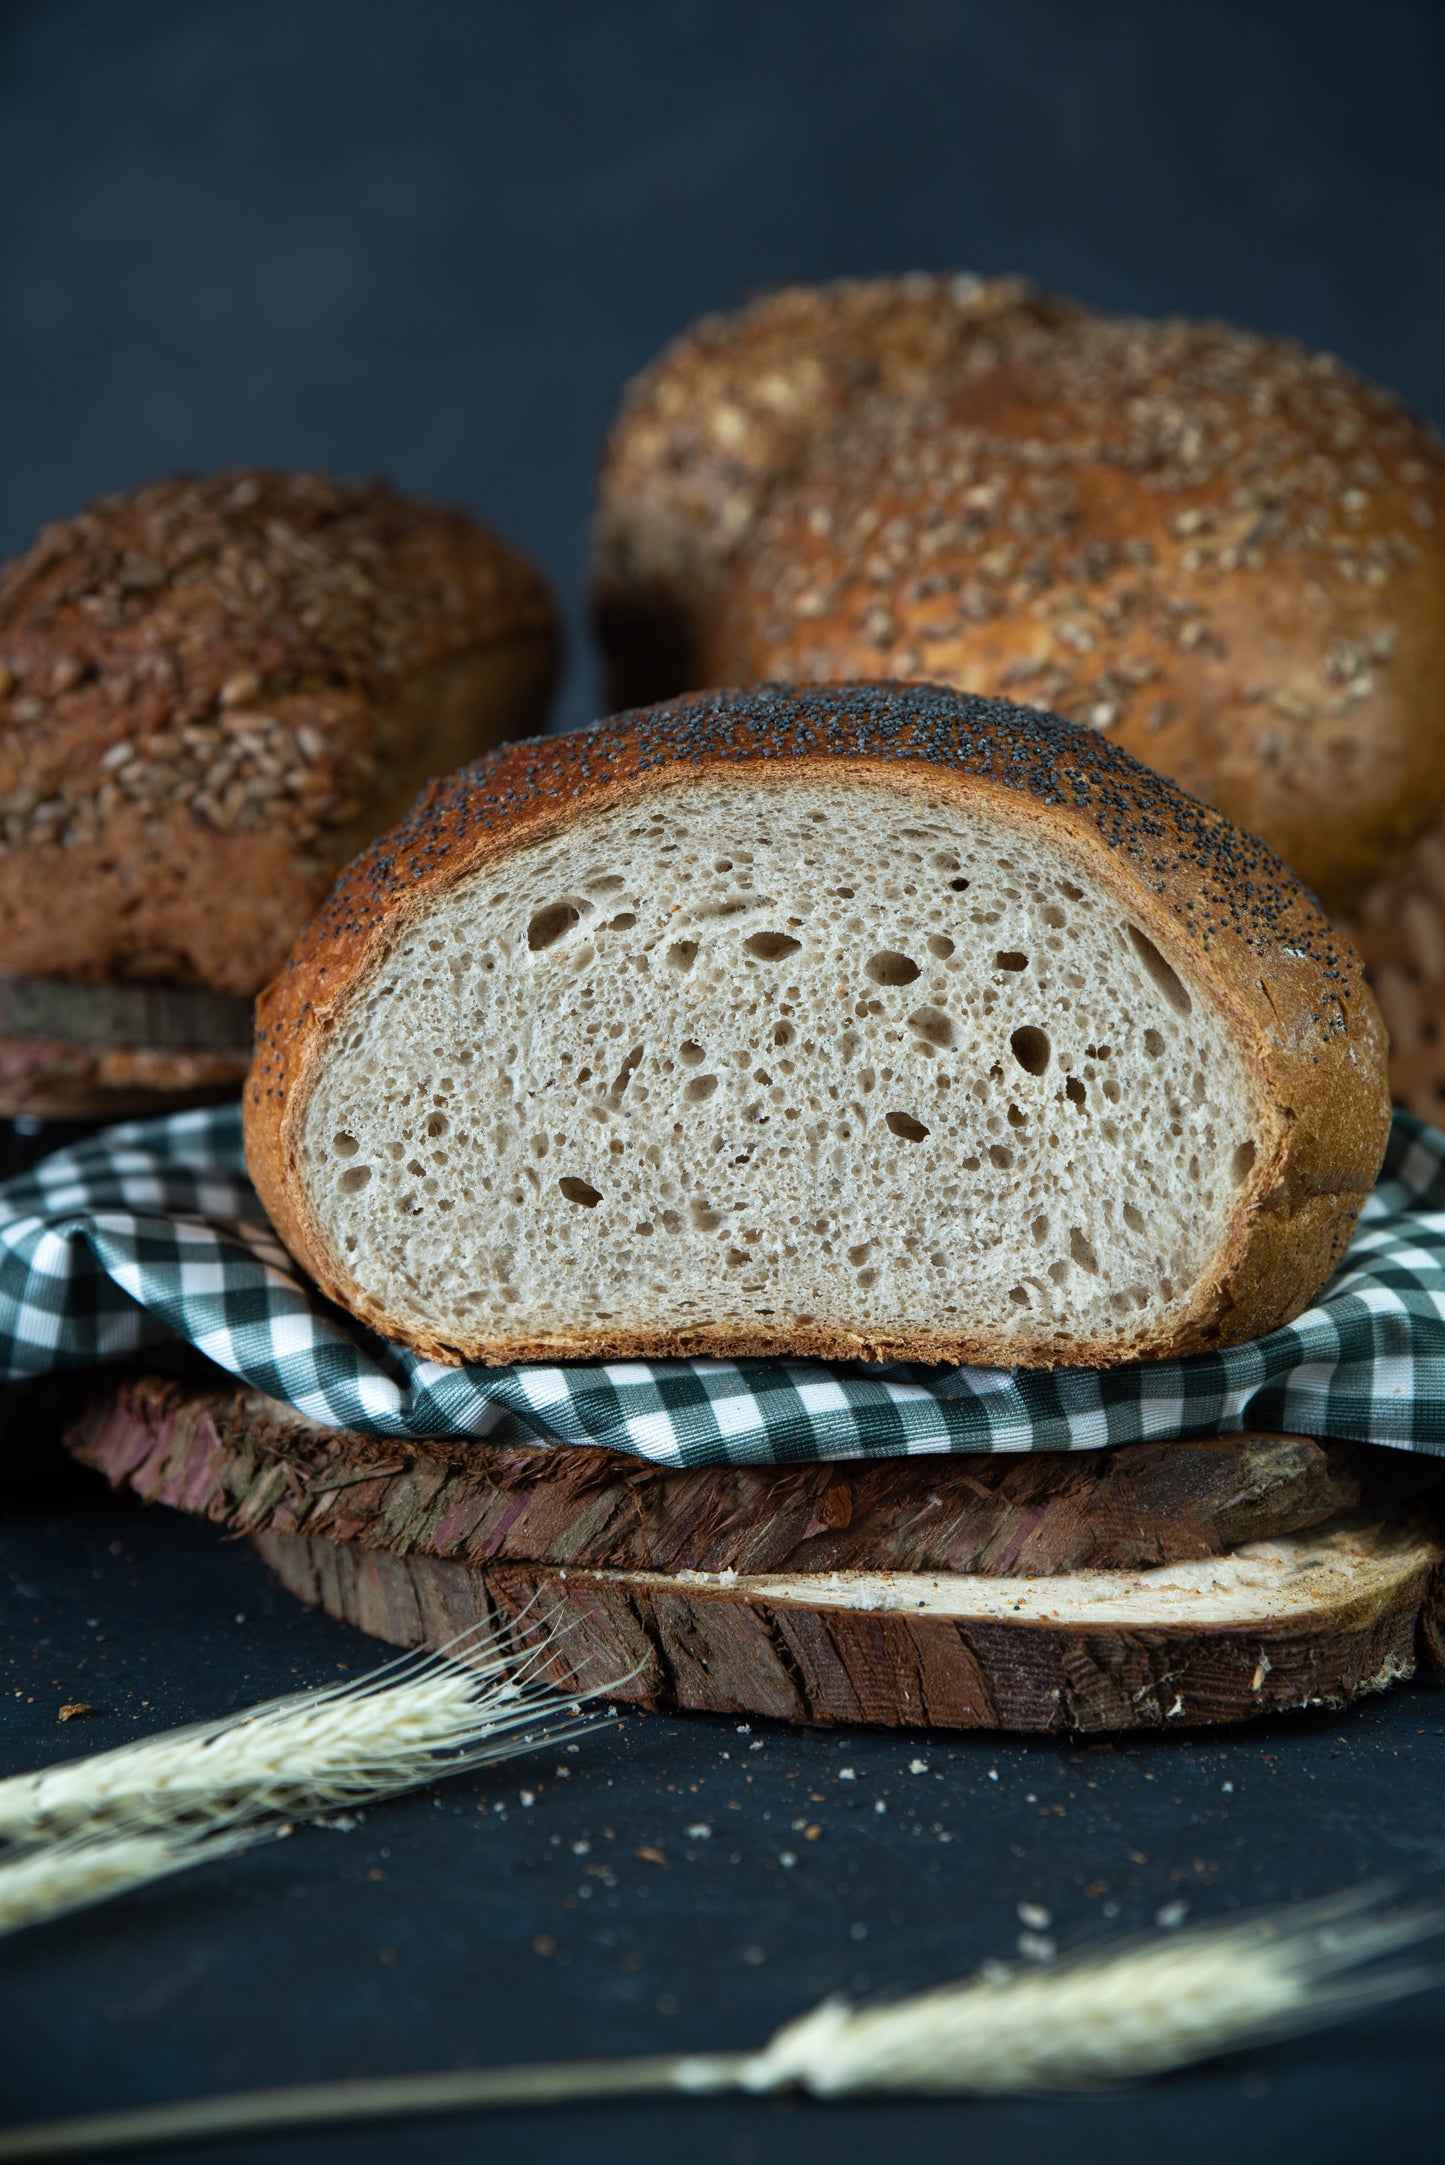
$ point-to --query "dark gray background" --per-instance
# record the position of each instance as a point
(434, 240)
(434, 237)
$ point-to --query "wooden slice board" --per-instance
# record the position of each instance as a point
(1150, 1585)
(111, 1052)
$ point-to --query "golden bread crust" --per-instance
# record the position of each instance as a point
(211, 691)
(1215, 901)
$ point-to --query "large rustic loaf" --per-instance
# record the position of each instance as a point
(1224, 550)
(213, 691)
(733, 408)
(862, 1022)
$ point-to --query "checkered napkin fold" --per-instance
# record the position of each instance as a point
(151, 1233)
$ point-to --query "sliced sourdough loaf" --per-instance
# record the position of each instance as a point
(860, 1022)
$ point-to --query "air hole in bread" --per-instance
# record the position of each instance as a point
(682, 954)
(941, 945)
(1158, 969)
(1075, 1092)
(771, 946)
(1134, 1218)
(345, 1146)
(1031, 1048)
(580, 1192)
(934, 1027)
(892, 968)
(959, 887)
(906, 1128)
(627, 1070)
(1011, 959)
(700, 1089)
(1242, 1163)
(546, 927)
(1083, 1251)
(353, 1182)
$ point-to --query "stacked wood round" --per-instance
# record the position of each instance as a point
(1152, 1586)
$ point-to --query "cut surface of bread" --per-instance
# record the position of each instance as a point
(825, 1056)
(780, 1060)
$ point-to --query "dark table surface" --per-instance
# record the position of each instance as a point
(433, 240)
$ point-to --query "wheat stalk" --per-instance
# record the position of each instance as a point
(1120, 2012)
(423, 1716)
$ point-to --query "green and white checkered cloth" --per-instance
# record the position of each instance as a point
(151, 1233)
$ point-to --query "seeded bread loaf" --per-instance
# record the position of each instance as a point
(733, 408)
(1223, 550)
(1399, 929)
(213, 691)
(864, 1022)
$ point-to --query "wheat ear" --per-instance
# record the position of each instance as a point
(423, 1716)
(53, 1878)
(1111, 2015)
(1122, 2011)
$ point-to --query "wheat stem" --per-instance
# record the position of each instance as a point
(1115, 2014)
(387, 2097)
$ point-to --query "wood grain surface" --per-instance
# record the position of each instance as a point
(1151, 1585)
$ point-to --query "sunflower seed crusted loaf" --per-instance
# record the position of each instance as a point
(862, 1022)
(1225, 551)
(733, 408)
(213, 691)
